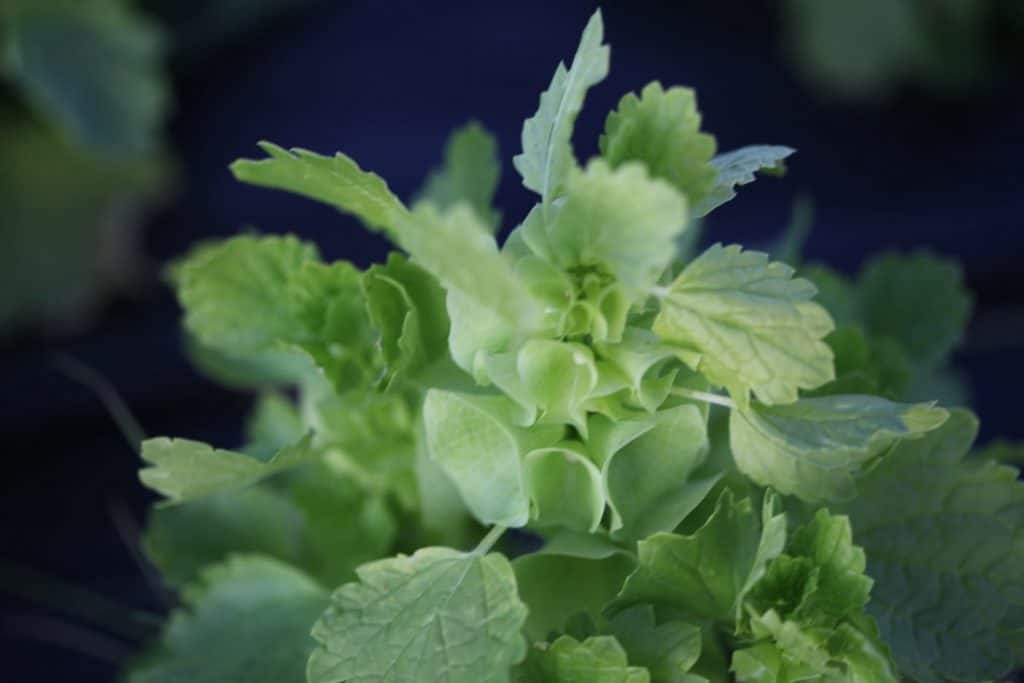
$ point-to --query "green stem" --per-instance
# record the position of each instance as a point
(130, 428)
(705, 396)
(489, 540)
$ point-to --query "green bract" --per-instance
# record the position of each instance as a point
(721, 483)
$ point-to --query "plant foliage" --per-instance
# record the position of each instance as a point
(725, 484)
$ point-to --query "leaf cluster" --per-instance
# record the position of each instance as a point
(722, 484)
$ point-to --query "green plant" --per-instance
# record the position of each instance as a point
(726, 484)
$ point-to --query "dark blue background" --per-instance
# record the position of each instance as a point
(385, 83)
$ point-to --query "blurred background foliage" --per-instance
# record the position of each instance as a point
(118, 119)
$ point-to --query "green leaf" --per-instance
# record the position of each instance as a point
(235, 293)
(470, 173)
(558, 377)
(748, 325)
(918, 300)
(621, 222)
(565, 487)
(667, 650)
(183, 470)
(274, 423)
(252, 296)
(661, 129)
(878, 366)
(944, 538)
(835, 292)
(568, 578)
(704, 575)
(407, 305)
(95, 70)
(599, 659)
(547, 156)
(487, 303)
(738, 168)
(343, 525)
(182, 539)
(245, 620)
(336, 180)
(816, 448)
(438, 614)
(481, 453)
(648, 478)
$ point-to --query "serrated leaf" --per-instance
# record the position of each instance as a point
(944, 542)
(183, 470)
(877, 366)
(247, 619)
(816, 448)
(235, 293)
(253, 297)
(918, 300)
(667, 650)
(746, 324)
(481, 454)
(438, 614)
(621, 222)
(470, 173)
(598, 659)
(661, 129)
(739, 167)
(547, 155)
(705, 574)
(336, 180)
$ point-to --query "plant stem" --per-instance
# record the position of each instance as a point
(489, 540)
(704, 396)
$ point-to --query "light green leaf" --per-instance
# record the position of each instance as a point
(245, 620)
(235, 293)
(481, 453)
(667, 650)
(918, 300)
(620, 222)
(748, 325)
(95, 70)
(459, 251)
(702, 575)
(738, 167)
(180, 540)
(878, 366)
(565, 487)
(336, 180)
(816, 448)
(183, 470)
(944, 538)
(661, 129)
(547, 156)
(439, 614)
(343, 525)
(552, 586)
(274, 423)
(598, 659)
(470, 173)
(407, 305)
(648, 478)
(835, 292)
(558, 377)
